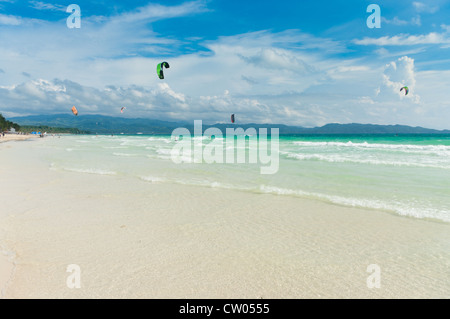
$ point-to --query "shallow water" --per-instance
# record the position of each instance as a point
(406, 175)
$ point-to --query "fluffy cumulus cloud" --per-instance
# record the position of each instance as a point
(398, 74)
(375, 100)
(57, 96)
(344, 92)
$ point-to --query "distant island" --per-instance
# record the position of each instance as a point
(10, 126)
(100, 124)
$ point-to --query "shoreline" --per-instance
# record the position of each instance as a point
(138, 239)
(16, 137)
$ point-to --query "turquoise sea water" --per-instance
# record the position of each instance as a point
(405, 175)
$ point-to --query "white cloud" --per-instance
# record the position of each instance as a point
(153, 12)
(43, 96)
(396, 21)
(288, 39)
(39, 5)
(405, 39)
(279, 59)
(344, 71)
(398, 74)
(10, 20)
(427, 8)
(446, 28)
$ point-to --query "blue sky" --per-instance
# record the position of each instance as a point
(294, 62)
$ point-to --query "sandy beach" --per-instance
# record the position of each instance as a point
(16, 137)
(137, 239)
(6, 272)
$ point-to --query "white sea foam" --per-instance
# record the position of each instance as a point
(164, 151)
(166, 154)
(209, 183)
(125, 154)
(153, 179)
(160, 139)
(115, 147)
(393, 207)
(426, 149)
(90, 171)
(401, 209)
(133, 143)
(201, 138)
(336, 158)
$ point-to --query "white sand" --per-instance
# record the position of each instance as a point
(134, 239)
(6, 272)
(16, 137)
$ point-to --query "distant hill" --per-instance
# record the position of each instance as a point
(362, 129)
(99, 124)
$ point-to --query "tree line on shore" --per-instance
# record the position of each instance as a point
(6, 125)
(51, 130)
